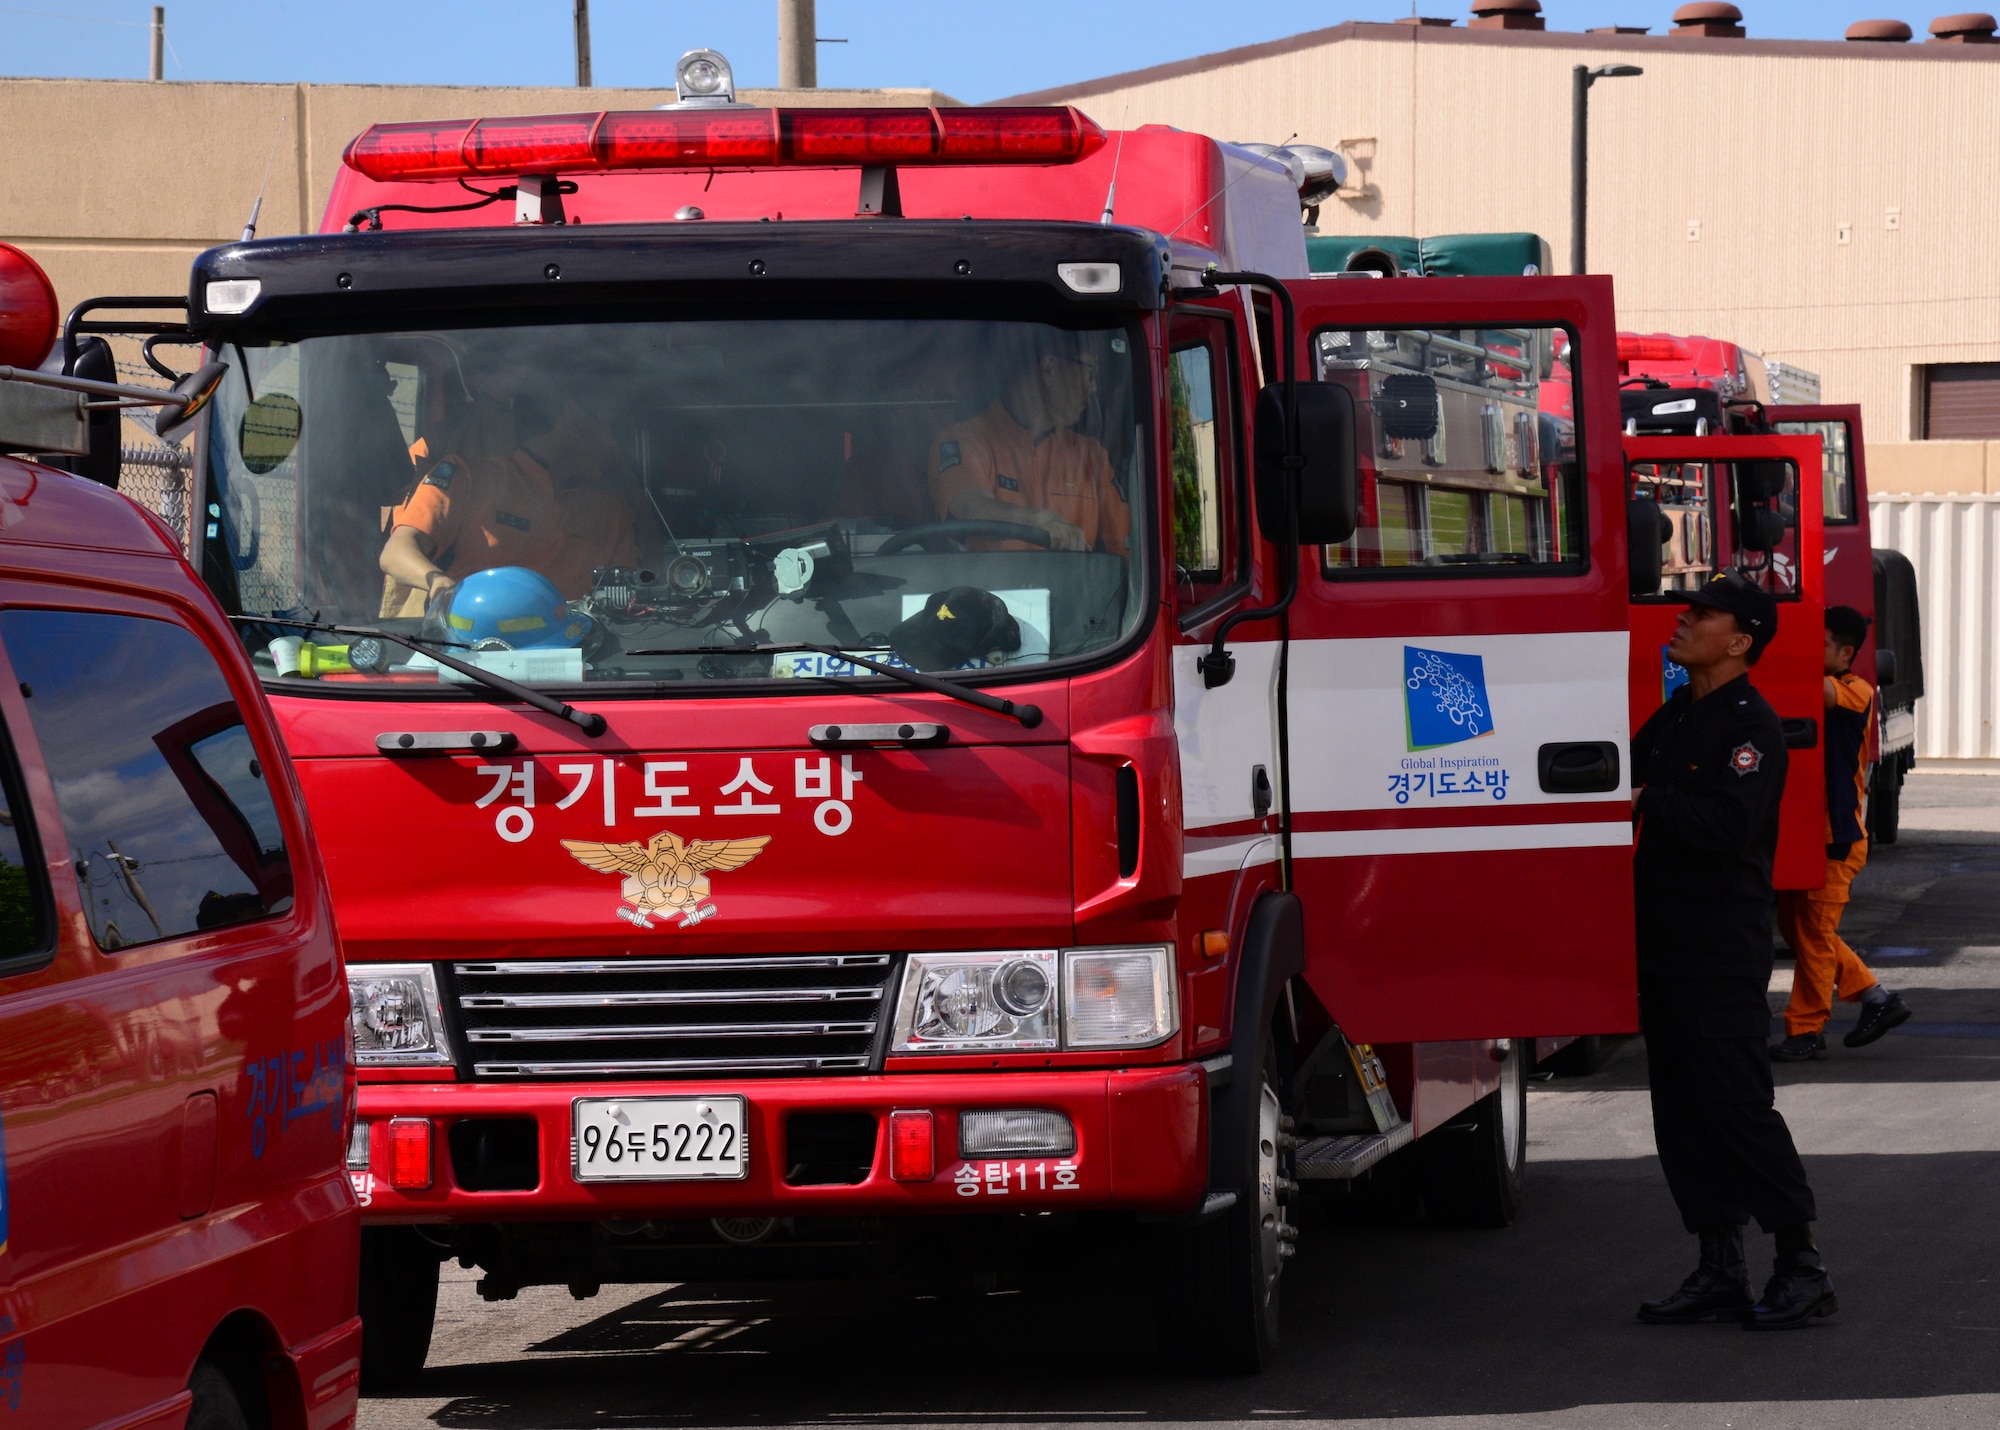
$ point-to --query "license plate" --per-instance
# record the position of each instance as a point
(660, 1139)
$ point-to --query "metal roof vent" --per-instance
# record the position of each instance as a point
(1972, 28)
(1894, 31)
(1507, 15)
(1710, 19)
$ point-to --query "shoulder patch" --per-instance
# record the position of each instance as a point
(1006, 483)
(1746, 759)
(440, 476)
(948, 456)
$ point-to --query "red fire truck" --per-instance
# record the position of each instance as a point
(1689, 385)
(868, 674)
(176, 1228)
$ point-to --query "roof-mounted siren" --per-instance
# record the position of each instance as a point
(1316, 174)
(704, 80)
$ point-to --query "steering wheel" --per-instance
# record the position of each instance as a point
(962, 531)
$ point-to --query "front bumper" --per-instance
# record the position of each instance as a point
(1141, 1145)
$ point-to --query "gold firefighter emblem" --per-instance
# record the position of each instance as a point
(666, 875)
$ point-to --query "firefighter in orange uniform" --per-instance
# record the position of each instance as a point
(1020, 461)
(546, 505)
(1810, 918)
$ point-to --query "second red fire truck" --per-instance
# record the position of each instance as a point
(868, 672)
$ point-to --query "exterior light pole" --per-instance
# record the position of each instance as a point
(1582, 77)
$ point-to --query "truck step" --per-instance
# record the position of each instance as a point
(1341, 1159)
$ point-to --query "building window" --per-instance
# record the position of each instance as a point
(1962, 401)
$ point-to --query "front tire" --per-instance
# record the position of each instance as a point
(399, 1293)
(1218, 1303)
(215, 1404)
(1474, 1165)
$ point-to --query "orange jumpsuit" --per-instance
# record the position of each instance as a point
(1810, 918)
(511, 511)
(1062, 471)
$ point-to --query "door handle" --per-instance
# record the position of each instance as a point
(1801, 732)
(1578, 767)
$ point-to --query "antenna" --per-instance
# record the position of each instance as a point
(250, 228)
(1111, 194)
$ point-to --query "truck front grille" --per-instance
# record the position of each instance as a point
(672, 1017)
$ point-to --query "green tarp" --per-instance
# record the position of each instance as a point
(1453, 255)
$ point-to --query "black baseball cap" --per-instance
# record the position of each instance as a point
(1755, 610)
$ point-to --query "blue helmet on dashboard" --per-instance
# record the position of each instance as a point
(513, 608)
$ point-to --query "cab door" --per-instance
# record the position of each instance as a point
(1849, 548)
(1705, 487)
(1456, 678)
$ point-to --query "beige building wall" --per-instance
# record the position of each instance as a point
(1832, 204)
(114, 186)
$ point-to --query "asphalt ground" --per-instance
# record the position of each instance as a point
(1528, 1326)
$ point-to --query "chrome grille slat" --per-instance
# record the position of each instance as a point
(670, 1067)
(671, 1030)
(671, 1017)
(754, 964)
(670, 998)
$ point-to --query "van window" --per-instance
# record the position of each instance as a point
(166, 809)
(25, 924)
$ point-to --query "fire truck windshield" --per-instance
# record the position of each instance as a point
(635, 502)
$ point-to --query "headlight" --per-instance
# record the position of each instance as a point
(397, 1019)
(1035, 1000)
(1117, 997)
(970, 1002)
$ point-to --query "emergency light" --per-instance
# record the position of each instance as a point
(720, 139)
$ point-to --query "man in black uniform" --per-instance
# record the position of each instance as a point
(1708, 770)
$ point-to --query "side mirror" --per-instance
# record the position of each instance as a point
(1759, 529)
(103, 462)
(1328, 485)
(1761, 480)
(1885, 667)
(1647, 532)
(191, 396)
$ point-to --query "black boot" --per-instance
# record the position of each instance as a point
(1799, 1291)
(1719, 1287)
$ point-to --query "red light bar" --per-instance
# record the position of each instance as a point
(1644, 347)
(720, 139)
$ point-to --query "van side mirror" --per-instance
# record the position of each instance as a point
(1647, 532)
(1328, 485)
(1885, 667)
(1759, 529)
(1761, 480)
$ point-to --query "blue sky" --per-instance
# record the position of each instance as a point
(973, 49)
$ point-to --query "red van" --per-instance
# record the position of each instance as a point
(178, 1235)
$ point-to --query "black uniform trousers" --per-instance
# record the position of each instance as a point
(1724, 1146)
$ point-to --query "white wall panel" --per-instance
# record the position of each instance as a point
(1954, 542)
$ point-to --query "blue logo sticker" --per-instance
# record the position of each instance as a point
(948, 456)
(1444, 698)
(1672, 677)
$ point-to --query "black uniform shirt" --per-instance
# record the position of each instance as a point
(1713, 771)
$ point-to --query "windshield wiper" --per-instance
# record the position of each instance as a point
(1029, 715)
(587, 721)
